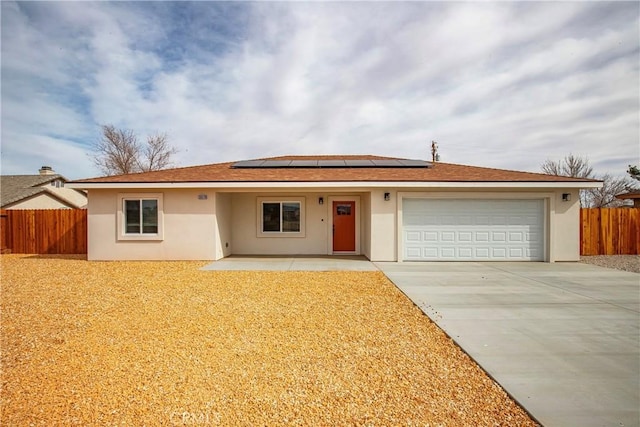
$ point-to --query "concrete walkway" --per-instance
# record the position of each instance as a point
(563, 339)
(293, 263)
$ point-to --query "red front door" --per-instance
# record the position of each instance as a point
(344, 226)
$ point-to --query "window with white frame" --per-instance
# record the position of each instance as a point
(281, 218)
(140, 217)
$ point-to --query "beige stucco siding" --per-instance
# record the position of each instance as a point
(223, 237)
(383, 225)
(246, 241)
(565, 239)
(40, 201)
(77, 198)
(366, 224)
(316, 236)
(188, 222)
(209, 224)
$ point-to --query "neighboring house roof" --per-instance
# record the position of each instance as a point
(16, 188)
(227, 173)
(630, 195)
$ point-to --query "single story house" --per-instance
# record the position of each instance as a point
(46, 190)
(387, 209)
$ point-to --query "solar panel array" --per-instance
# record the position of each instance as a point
(348, 163)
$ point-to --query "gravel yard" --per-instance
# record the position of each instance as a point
(619, 262)
(163, 343)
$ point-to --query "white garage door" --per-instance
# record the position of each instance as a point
(458, 230)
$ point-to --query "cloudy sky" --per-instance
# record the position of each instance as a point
(503, 85)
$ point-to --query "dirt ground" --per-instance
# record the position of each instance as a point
(162, 343)
(619, 262)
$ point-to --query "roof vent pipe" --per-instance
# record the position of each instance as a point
(435, 157)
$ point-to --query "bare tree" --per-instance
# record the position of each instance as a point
(156, 154)
(579, 167)
(573, 166)
(605, 197)
(120, 152)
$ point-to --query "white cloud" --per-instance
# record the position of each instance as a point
(496, 84)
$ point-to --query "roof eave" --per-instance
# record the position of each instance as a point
(336, 184)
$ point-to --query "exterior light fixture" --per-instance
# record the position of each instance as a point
(387, 196)
(566, 197)
(320, 200)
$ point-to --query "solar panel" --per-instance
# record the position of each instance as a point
(336, 163)
(386, 163)
(248, 164)
(303, 164)
(275, 164)
(331, 163)
(359, 163)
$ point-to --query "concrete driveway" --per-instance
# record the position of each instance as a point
(563, 339)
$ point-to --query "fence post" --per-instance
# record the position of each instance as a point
(5, 246)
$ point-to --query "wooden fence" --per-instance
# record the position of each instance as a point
(603, 231)
(610, 231)
(43, 231)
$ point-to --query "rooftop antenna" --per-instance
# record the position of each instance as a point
(435, 157)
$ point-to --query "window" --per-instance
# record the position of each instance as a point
(140, 216)
(280, 218)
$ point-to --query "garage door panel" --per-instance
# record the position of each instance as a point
(482, 253)
(498, 236)
(516, 236)
(498, 253)
(473, 229)
(448, 236)
(430, 252)
(465, 236)
(481, 220)
(448, 252)
(430, 236)
(465, 252)
(516, 252)
(465, 220)
(413, 236)
(482, 236)
(499, 220)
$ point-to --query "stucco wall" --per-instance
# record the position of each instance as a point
(223, 225)
(70, 194)
(189, 228)
(365, 220)
(317, 239)
(41, 201)
(566, 229)
(244, 235)
(383, 225)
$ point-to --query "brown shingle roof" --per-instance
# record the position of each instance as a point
(439, 172)
(14, 188)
